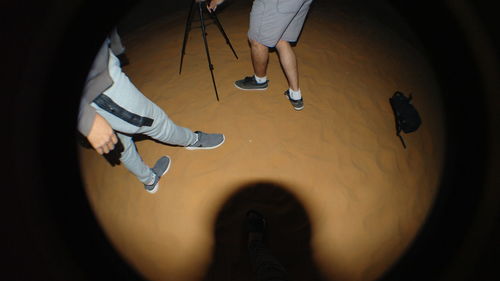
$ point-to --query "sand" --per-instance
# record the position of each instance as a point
(343, 197)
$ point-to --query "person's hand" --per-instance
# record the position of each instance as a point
(101, 135)
(212, 5)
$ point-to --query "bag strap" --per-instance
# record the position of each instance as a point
(402, 140)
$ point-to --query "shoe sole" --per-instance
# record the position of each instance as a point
(155, 189)
(256, 89)
(207, 148)
(296, 108)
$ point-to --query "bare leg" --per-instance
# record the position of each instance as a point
(260, 58)
(289, 63)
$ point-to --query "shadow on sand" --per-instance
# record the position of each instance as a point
(288, 234)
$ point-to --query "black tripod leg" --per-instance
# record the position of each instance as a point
(203, 32)
(216, 20)
(186, 33)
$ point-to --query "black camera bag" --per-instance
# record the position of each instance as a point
(407, 118)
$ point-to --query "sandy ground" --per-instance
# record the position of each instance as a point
(344, 199)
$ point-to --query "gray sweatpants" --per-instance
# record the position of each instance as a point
(129, 112)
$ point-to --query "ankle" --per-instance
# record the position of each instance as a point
(153, 178)
(295, 95)
(260, 80)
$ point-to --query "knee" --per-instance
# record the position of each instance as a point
(256, 45)
(282, 45)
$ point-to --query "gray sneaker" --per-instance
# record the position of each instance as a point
(297, 104)
(207, 141)
(249, 83)
(160, 168)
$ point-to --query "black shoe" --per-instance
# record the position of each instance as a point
(249, 83)
(160, 168)
(297, 104)
(207, 141)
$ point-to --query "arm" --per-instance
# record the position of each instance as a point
(101, 136)
(96, 129)
(92, 125)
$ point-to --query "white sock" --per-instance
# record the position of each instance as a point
(295, 95)
(260, 80)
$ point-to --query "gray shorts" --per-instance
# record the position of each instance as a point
(274, 20)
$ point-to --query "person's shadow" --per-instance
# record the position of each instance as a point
(288, 234)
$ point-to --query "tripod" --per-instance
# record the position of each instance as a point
(201, 4)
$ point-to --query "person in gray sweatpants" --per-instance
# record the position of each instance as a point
(112, 108)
